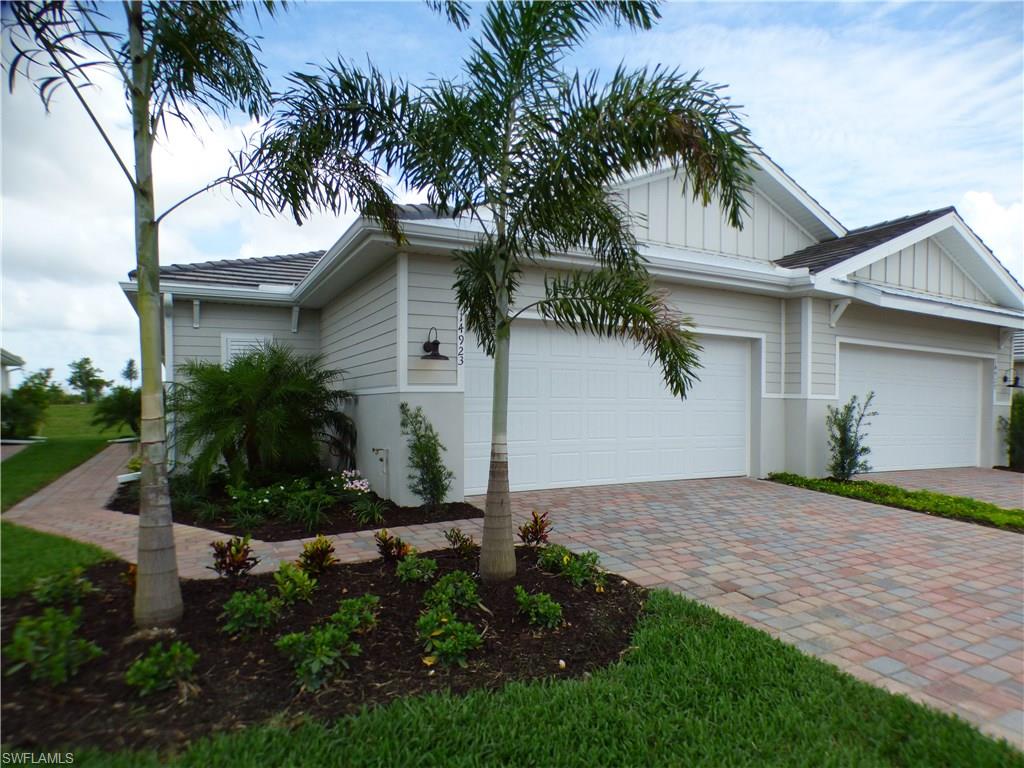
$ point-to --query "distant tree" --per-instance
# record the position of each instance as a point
(123, 406)
(130, 373)
(85, 378)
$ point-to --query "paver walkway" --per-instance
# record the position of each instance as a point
(996, 486)
(930, 607)
(6, 451)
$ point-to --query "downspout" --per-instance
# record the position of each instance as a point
(172, 443)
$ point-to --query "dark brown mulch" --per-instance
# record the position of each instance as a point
(339, 517)
(1010, 469)
(243, 681)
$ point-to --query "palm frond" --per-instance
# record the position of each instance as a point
(476, 284)
(617, 304)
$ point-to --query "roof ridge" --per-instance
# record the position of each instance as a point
(246, 260)
(921, 214)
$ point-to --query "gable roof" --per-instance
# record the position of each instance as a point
(287, 269)
(9, 359)
(831, 252)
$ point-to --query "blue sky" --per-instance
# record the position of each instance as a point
(878, 110)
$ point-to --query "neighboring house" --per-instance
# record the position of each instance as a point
(794, 312)
(1016, 378)
(8, 362)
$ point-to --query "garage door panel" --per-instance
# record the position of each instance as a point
(602, 414)
(929, 405)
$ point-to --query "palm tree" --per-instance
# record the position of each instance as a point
(528, 151)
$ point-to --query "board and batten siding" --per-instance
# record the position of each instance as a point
(888, 326)
(431, 305)
(664, 213)
(205, 342)
(359, 331)
(924, 267)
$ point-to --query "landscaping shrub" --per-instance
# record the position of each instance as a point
(1013, 432)
(317, 555)
(306, 506)
(430, 478)
(250, 611)
(368, 511)
(446, 639)
(415, 568)
(293, 584)
(320, 654)
(49, 646)
(350, 482)
(580, 569)
(20, 414)
(453, 590)
(161, 669)
(535, 532)
(460, 543)
(538, 608)
(233, 558)
(265, 414)
(70, 587)
(122, 406)
(391, 548)
(846, 438)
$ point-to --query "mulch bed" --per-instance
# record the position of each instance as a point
(243, 681)
(1010, 469)
(339, 517)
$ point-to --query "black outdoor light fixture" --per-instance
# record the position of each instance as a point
(432, 348)
(1012, 381)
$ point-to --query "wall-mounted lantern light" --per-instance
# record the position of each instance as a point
(432, 348)
(1012, 381)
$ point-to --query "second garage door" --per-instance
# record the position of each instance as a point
(928, 405)
(587, 411)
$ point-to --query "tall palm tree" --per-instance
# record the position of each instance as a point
(528, 151)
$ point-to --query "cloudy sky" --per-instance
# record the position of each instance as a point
(878, 110)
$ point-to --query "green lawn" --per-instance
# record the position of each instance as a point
(71, 439)
(699, 689)
(940, 504)
(25, 555)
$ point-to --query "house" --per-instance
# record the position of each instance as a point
(794, 312)
(1016, 376)
(8, 362)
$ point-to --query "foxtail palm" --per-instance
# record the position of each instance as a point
(528, 153)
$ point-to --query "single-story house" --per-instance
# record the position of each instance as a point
(795, 313)
(8, 362)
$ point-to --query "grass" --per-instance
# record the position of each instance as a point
(939, 504)
(26, 555)
(71, 439)
(699, 689)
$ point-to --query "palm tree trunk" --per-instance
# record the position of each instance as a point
(157, 590)
(497, 552)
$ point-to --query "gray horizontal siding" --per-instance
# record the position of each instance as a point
(431, 305)
(359, 331)
(793, 347)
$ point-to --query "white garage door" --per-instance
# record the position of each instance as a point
(587, 411)
(928, 405)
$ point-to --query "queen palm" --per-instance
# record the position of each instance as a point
(527, 151)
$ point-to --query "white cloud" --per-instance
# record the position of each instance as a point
(1001, 227)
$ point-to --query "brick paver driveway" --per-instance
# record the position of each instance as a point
(996, 486)
(930, 607)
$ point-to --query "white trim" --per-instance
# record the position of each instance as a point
(295, 318)
(195, 313)
(836, 310)
(226, 338)
(168, 337)
(806, 347)
(889, 247)
(793, 188)
(402, 305)
(980, 290)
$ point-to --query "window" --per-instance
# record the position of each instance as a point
(234, 344)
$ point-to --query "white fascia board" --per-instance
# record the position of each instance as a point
(988, 257)
(922, 305)
(223, 293)
(786, 181)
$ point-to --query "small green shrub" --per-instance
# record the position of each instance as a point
(21, 412)
(534, 533)
(415, 568)
(49, 647)
(62, 588)
(444, 638)
(1013, 432)
(460, 543)
(580, 569)
(161, 669)
(368, 511)
(430, 478)
(391, 548)
(318, 654)
(539, 608)
(317, 555)
(233, 558)
(453, 590)
(294, 584)
(307, 506)
(846, 438)
(249, 507)
(208, 512)
(250, 612)
(356, 614)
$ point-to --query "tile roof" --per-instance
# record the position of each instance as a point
(830, 252)
(288, 269)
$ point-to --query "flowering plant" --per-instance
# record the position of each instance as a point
(350, 481)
